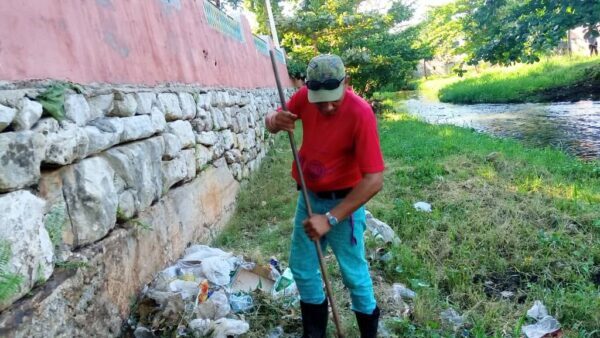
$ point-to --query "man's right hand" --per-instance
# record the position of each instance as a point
(281, 120)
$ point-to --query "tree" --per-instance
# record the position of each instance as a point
(377, 56)
(442, 31)
(509, 31)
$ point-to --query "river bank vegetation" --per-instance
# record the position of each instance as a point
(510, 225)
(552, 79)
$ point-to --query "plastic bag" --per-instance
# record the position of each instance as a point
(185, 288)
(381, 230)
(401, 291)
(241, 302)
(217, 306)
(285, 286)
(276, 332)
(199, 252)
(227, 327)
(451, 318)
(545, 326)
(217, 270)
(537, 311)
(422, 206)
(200, 327)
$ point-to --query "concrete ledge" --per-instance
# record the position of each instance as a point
(93, 300)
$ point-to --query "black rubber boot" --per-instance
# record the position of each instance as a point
(314, 319)
(367, 324)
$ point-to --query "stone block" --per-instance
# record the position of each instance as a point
(77, 110)
(173, 172)
(28, 115)
(188, 105)
(228, 139)
(137, 168)
(20, 156)
(66, 145)
(208, 138)
(233, 156)
(203, 156)
(172, 146)
(204, 101)
(103, 133)
(24, 237)
(101, 104)
(189, 155)
(125, 105)
(145, 101)
(7, 114)
(219, 121)
(137, 127)
(158, 120)
(46, 125)
(169, 104)
(91, 199)
(183, 130)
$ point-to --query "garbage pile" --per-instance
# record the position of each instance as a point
(206, 294)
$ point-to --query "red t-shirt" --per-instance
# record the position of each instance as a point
(336, 150)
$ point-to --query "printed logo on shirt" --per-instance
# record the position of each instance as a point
(315, 170)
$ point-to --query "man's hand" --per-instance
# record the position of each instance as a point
(281, 120)
(316, 226)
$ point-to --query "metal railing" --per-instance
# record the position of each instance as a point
(261, 45)
(223, 22)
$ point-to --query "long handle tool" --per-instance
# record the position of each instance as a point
(336, 317)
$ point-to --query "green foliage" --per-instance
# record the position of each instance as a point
(368, 42)
(485, 226)
(507, 31)
(53, 98)
(54, 223)
(141, 225)
(72, 265)
(10, 283)
(520, 83)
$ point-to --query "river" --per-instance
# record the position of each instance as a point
(571, 126)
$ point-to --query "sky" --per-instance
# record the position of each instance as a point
(419, 5)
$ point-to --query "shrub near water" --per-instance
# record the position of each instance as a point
(519, 83)
(505, 218)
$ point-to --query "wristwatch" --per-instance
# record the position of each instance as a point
(333, 221)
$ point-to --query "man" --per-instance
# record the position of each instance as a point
(593, 43)
(343, 167)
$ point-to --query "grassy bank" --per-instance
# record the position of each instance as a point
(505, 218)
(555, 79)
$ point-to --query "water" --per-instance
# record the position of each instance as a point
(572, 127)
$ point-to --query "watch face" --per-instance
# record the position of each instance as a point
(332, 220)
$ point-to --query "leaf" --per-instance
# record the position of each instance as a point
(53, 101)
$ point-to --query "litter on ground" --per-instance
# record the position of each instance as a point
(206, 294)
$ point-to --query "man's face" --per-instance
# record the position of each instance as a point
(330, 108)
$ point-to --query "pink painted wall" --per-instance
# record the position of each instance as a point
(126, 41)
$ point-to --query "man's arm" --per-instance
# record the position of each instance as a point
(318, 225)
(277, 121)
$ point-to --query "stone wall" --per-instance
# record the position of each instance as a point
(95, 204)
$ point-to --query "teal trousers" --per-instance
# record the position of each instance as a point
(347, 243)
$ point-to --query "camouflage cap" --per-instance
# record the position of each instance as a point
(325, 67)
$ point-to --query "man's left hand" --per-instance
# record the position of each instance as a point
(316, 226)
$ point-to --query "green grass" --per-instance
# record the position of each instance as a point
(505, 218)
(10, 283)
(519, 83)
